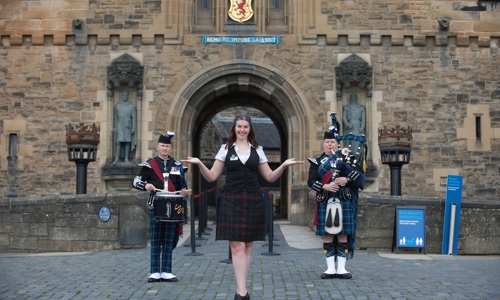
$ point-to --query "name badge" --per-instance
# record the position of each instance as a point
(233, 157)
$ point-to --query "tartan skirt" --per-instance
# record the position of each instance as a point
(349, 217)
(241, 217)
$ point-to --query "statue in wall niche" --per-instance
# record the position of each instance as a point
(124, 126)
(353, 116)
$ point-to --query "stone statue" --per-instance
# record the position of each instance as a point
(124, 127)
(353, 116)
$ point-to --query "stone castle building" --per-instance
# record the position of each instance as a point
(428, 66)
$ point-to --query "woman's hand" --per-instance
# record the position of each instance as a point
(191, 160)
(291, 162)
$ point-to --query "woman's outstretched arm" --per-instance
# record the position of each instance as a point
(270, 175)
(210, 175)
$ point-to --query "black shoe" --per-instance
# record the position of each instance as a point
(173, 279)
(239, 297)
(328, 276)
(344, 276)
(150, 279)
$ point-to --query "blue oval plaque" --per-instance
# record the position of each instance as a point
(104, 214)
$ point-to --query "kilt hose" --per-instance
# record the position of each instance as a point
(241, 216)
(164, 238)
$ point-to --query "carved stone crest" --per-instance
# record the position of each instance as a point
(354, 70)
(240, 10)
(125, 70)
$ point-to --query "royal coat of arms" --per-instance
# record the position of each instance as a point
(241, 10)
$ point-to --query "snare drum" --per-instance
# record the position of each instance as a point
(169, 207)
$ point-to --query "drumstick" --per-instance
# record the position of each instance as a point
(176, 192)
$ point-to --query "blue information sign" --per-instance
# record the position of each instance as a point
(410, 227)
(453, 203)
(104, 214)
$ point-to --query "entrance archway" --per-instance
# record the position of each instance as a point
(241, 83)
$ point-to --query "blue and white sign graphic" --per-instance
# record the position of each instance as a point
(410, 227)
(104, 214)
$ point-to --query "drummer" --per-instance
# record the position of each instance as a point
(162, 173)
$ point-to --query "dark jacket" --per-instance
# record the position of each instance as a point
(154, 171)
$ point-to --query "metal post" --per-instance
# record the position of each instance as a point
(193, 234)
(82, 141)
(395, 178)
(81, 176)
(200, 217)
(270, 225)
(451, 238)
(229, 260)
(204, 213)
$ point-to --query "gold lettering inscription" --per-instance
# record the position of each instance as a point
(179, 208)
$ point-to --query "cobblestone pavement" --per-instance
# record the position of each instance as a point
(290, 271)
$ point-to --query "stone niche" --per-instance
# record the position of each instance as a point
(125, 77)
(354, 77)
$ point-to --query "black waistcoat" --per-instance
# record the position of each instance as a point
(239, 175)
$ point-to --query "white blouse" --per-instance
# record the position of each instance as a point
(221, 155)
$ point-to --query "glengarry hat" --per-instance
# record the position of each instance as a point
(166, 138)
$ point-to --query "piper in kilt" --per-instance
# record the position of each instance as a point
(337, 175)
(240, 209)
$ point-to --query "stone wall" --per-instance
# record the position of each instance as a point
(478, 233)
(72, 223)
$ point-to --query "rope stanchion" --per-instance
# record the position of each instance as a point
(200, 217)
(193, 235)
(203, 214)
(228, 260)
(269, 224)
(214, 189)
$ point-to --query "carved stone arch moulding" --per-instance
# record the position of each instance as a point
(353, 71)
(125, 70)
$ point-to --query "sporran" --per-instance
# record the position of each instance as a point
(333, 223)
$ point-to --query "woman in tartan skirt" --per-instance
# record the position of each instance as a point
(240, 210)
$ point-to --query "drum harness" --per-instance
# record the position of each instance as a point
(155, 165)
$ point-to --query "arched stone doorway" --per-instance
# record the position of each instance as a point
(244, 83)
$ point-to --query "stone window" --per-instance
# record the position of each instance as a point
(204, 16)
(12, 144)
(478, 128)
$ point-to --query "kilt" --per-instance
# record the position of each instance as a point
(241, 216)
(164, 237)
(349, 217)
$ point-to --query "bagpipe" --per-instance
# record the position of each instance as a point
(349, 162)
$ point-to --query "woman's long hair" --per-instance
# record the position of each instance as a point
(251, 135)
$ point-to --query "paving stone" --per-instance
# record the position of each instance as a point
(293, 274)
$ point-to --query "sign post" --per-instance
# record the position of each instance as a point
(452, 215)
(409, 228)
